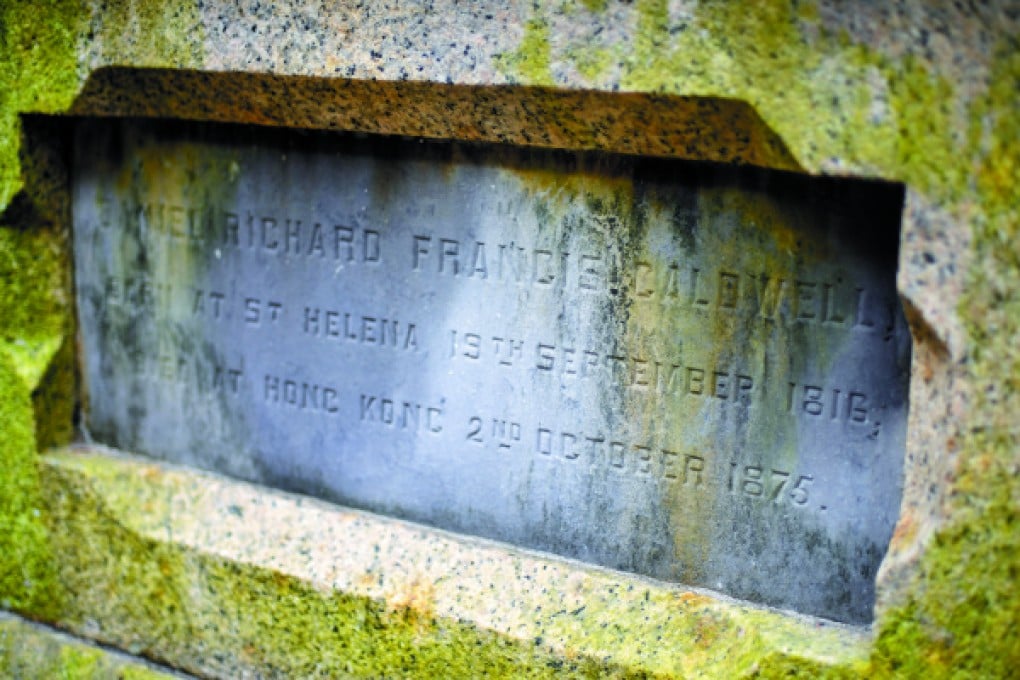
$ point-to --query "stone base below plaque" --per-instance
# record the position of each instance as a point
(30, 650)
(222, 578)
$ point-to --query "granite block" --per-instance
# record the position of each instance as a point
(923, 93)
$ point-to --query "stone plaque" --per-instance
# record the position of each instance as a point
(693, 372)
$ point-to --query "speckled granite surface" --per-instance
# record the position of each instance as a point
(920, 92)
(700, 128)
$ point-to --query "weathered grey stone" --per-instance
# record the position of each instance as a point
(686, 371)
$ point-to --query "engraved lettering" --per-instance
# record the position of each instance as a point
(300, 395)
(401, 414)
(361, 329)
(630, 349)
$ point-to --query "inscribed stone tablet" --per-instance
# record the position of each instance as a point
(693, 372)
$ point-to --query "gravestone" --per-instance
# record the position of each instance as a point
(690, 371)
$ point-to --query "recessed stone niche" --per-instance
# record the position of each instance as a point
(692, 371)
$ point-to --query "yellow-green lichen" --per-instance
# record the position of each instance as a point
(33, 304)
(837, 101)
(962, 615)
(961, 619)
(827, 96)
(591, 62)
(156, 34)
(30, 651)
(38, 72)
(40, 48)
(530, 62)
(143, 591)
(221, 617)
(595, 5)
(991, 303)
(27, 565)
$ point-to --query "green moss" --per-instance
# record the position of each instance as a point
(35, 326)
(113, 524)
(961, 620)
(831, 98)
(826, 96)
(39, 57)
(54, 400)
(289, 628)
(38, 72)
(961, 617)
(33, 302)
(793, 666)
(27, 574)
(162, 600)
(29, 651)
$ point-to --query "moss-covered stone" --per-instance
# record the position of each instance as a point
(530, 63)
(30, 651)
(840, 101)
(962, 617)
(27, 565)
(35, 326)
(39, 72)
(832, 98)
(827, 96)
(150, 578)
(33, 303)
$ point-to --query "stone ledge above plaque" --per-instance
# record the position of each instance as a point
(686, 370)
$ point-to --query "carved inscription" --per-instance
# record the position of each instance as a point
(696, 374)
